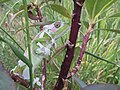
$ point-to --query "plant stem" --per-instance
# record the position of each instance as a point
(28, 42)
(44, 74)
(70, 51)
(82, 51)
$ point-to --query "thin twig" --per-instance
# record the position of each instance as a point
(44, 74)
(44, 60)
(82, 51)
(20, 80)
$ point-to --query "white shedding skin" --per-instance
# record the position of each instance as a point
(43, 50)
(26, 73)
(36, 81)
(21, 63)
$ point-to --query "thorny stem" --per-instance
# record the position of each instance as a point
(70, 51)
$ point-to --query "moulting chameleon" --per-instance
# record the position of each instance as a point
(41, 48)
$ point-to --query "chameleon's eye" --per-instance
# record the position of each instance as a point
(57, 24)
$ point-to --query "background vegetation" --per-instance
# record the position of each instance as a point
(101, 60)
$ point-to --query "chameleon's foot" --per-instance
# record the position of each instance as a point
(69, 44)
(36, 81)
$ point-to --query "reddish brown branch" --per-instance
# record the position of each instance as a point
(44, 74)
(39, 14)
(39, 17)
(37, 9)
(30, 14)
(20, 80)
(44, 60)
(70, 51)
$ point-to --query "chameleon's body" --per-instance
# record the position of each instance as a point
(40, 48)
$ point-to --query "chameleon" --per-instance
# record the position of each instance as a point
(40, 48)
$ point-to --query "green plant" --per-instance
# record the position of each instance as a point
(96, 43)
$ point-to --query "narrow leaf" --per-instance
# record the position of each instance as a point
(3, 1)
(102, 59)
(11, 37)
(96, 7)
(112, 30)
(115, 15)
(79, 82)
(85, 23)
(60, 9)
(17, 53)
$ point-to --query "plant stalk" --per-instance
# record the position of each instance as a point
(28, 42)
(70, 50)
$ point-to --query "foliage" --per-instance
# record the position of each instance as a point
(101, 60)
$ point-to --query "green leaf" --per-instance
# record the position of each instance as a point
(85, 23)
(60, 9)
(96, 7)
(102, 59)
(112, 30)
(6, 82)
(79, 82)
(17, 53)
(102, 87)
(11, 37)
(76, 53)
(21, 7)
(115, 15)
(6, 15)
(3, 1)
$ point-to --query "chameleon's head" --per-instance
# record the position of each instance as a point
(54, 27)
